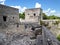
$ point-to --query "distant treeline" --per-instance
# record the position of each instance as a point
(22, 15)
(50, 17)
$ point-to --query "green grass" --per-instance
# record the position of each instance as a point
(58, 37)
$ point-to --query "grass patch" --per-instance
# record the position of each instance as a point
(58, 37)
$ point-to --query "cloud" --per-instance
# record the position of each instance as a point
(52, 11)
(2, 1)
(37, 5)
(49, 11)
(21, 9)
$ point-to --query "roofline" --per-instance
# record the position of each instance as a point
(33, 8)
(9, 6)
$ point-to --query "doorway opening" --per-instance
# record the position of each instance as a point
(4, 18)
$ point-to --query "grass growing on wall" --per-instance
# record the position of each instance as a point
(58, 37)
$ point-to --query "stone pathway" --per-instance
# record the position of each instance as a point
(47, 38)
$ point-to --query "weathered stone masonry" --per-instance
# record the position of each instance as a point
(8, 14)
(9, 18)
(13, 32)
(33, 15)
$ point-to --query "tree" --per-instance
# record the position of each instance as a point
(58, 17)
(22, 15)
(53, 17)
(44, 16)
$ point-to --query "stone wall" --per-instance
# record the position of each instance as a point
(53, 26)
(8, 15)
(33, 15)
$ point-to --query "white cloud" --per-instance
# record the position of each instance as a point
(2, 1)
(49, 11)
(37, 5)
(52, 11)
(21, 9)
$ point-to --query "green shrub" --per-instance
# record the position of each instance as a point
(56, 23)
(22, 15)
(58, 37)
(43, 23)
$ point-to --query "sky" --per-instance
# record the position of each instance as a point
(49, 7)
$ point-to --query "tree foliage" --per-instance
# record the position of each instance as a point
(45, 16)
(22, 15)
(50, 17)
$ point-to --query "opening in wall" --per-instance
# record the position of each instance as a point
(4, 18)
(13, 17)
(28, 13)
(34, 14)
(17, 24)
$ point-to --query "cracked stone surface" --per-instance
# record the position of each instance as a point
(16, 39)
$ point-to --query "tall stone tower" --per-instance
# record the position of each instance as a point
(8, 16)
(33, 15)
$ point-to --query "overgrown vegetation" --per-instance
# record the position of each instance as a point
(58, 37)
(50, 17)
(42, 23)
(22, 15)
(56, 23)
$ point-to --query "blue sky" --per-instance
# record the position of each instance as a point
(49, 6)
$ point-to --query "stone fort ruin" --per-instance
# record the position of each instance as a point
(8, 16)
(33, 15)
(29, 32)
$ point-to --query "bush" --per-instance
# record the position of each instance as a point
(43, 23)
(22, 15)
(58, 37)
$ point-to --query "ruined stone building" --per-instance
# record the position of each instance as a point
(9, 18)
(10, 24)
(8, 15)
(29, 32)
(33, 15)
